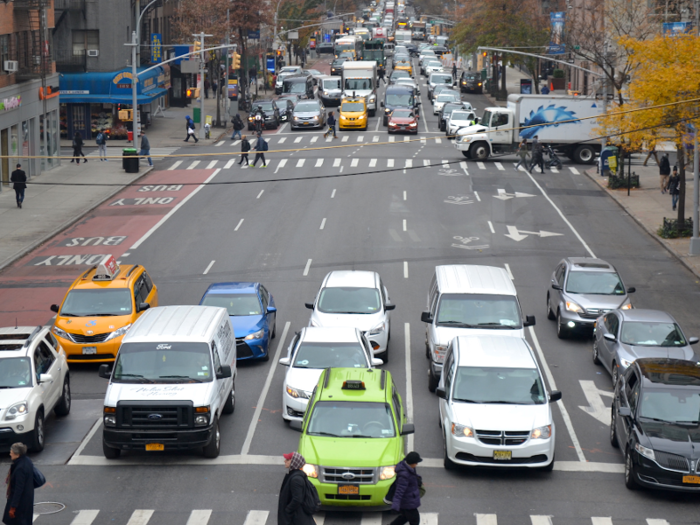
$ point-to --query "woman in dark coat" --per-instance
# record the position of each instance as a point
(290, 510)
(78, 148)
(19, 508)
(407, 496)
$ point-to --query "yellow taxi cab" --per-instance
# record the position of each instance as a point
(404, 65)
(353, 113)
(100, 307)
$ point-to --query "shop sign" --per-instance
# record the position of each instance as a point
(10, 103)
(121, 76)
(74, 92)
(156, 48)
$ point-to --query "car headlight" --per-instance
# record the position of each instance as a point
(387, 472)
(119, 332)
(627, 305)
(372, 98)
(461, 430)
(626, 362)
(439, 353)
(315, 117)
(61, 333)
(544, 432)
(310, 470)
(378, 329)
(646, 452)
(255, 335)
(573, 307)
(412, 125)
(16, 410)
(386, 110)
(297, 393)
(325, 92)
(110, 416)
(201, 416)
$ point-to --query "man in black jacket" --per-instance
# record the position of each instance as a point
(664, 172)
(290, 510)
(245, 148)
(19, 180)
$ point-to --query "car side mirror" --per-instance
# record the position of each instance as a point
(310, 306)
(440, 392)
(285, 361)
(693, 340)
(224, 372)
(105, 371)
(54, 308)
(529, 320)
(554, 395)
(556, 286)
(45, 378)
(408, 428)
(295, 424)
(389, 306)
(426, 317)
(625, 411)
(381, 104)
(418, 103)
(610, 337)
(631, 289)
(271, 309)
(142, 306)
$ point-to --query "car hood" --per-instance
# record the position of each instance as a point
(10, 396)
(305, 114)
(601, 302)
(362, 322)
(246, 324)
(460, 122)
(502, 417)
(92, 325)
(198, 393)
(402, 121)
(675, 439)
(351, 452)
(472, 130)
(664, 352)
(303, 378)
(445, 334)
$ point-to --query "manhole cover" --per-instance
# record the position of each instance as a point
(48, 507)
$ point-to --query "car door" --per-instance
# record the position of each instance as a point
(46, 363)
(221, 383)
(268, 301)
(430, 327)
(557, 280)
(152, 296)
(627, 397)
(59, 354)
(612, 326)
(447, 378)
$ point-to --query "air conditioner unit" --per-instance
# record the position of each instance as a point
(10, 66)
(93, 52)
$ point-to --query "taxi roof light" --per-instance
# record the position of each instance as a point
(107, 269)
(353, 384)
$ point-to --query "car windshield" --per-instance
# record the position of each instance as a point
(331, 83)
(460, 115)
(266, 106)
(306, 107)
(651, 334)
(330, 355)
(400, 74)
(399, 100)
(347, 54)
(447, 97)
(595, 283)
(349, 300)
(351, 419)
(440, 79)
(295, 87)
(358, 83)
(97, 302)
(338, 61)
(163, 363)
(290, 70)
(508, 386)
(15, 372)
(434, 63)
(672, 404)
(479, 311)
(352, 107)
(236, 304)
(402, 113)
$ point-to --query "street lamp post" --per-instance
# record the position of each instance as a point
(274, 36)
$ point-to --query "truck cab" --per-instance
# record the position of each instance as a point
(360, 80)
(493, 134)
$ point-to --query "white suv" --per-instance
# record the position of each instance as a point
(494, 409)
(358, 299)
(34, 381)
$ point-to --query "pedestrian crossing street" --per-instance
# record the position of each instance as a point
(261, 517)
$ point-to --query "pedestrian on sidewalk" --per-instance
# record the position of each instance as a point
(214, 87)
(245, 148)
(523, 153)
(78, 148)
(19, 509)
(454, 71)
(190, 130)
(237, 126)
(101, 141)
(290, 508)
(19, 184)
(674, 187)
(537, 155)
(664, 172)
(253, 74)
(207, 85)
(145, 148)
(260, 149)
(331, 126)
(408, 491)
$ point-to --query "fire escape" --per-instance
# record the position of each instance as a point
(33, 49)
(66, 61)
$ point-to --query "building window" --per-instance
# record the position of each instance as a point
(85, 40)
(4, 50)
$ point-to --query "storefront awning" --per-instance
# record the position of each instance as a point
(112, 87)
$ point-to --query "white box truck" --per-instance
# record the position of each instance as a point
(360, 79)
(548, 116)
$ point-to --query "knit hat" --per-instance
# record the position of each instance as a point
(297, 460)
(412, 458)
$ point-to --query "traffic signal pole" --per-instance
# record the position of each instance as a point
(201, 82)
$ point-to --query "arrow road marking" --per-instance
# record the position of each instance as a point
(514, 234)
(596, 407)
(506, 196)
(459, 199)
(519, 235)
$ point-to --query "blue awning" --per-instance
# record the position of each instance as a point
(112, 87)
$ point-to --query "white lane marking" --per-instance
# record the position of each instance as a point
(601, 521)
(510, 274)
(405, 269)
(394, 235)
(282, 140)
(263, 394)
(553, 169)
(282, 164)
(333, 194)
(300, 163)
(172, 212)
(297, 140)
(376, 128)
(199, 517)
(540, 520)
(212, 164)
(425, 123)
(336, 163)
(408, 397)
(406, 139)
(428, 518)
(345, 138)
(560, 404)
(341, 169)
(404, 225)
(409, 163)
(255, 517)
(491, 227)
(329, 139)
(140, 517)
(423, 141)
(426, 162)
(314, 139)
(445, 163)
(571, 226)
(279, 131)
(306, 268)
(477, 196)
(354, 162)
(375, 138)
(371, 518)
(209, 267)
(85, 517)
(193, 165)
(229, 164)
(372, 163)
(235, 143)
(360, 138)
(174, 166)
(220, 143)
(651, 521)
(576, 172)
(319, 163)
(404, 195)
(499, 166)
(238, 225)
(320, 518)
(438, 141)
(125, 254)
(260, 194)
(389, 163)
(323, 224)
(392, 139)
(481, 165)
(486, 519)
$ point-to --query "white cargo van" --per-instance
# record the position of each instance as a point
(472, 300)
(173, 377)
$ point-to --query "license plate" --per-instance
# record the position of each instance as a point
(348, 489)
(153, 447)
(89, 350)
(691, 479)
(502, 455)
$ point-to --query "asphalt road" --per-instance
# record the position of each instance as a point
(350, 204)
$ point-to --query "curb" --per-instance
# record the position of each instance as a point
(651, 233)
(28, 248)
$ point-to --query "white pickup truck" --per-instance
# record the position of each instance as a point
(552, 118)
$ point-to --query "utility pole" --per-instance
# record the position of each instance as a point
(201, 82)
(695, 239)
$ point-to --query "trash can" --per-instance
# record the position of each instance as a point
(195, 115)
(130, 160)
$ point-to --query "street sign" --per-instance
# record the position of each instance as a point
(254, 35)
(190, 66)
(293, 35)
(156, 48)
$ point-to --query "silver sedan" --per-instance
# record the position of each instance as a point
(308, 114)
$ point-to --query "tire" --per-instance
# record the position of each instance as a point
(613, 433)
(213, 448)
(596, 355)
(274, 330)
(584, 154)
(562, 331)
(466, 154)
(550, 314)
(230, 405)
(479, 151)
(446, 461)
(109, 452)
(372, 112)
(385, 122)
(432, 382)
(62, 408)
(547, 468)
(630, 482)
(384, 356)
(38, 438)
(615, 374)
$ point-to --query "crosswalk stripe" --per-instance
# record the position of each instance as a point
(345, 138)
(282, 164)
(426, 162)
(319, 163)
(554, 170)
(463, 165)
(601, 521)
(423, 140)
(375, 138)
(298, 140)
(34, 517)
(329, 139)
(282, 140)
(499, 166)
(235, 143)
(409, 163)
(438, 141)
(199, 517)
(428, 518)
(354, 163)
(336, 163)
(389, 163)
(445, 162)
(140, 517)
(371, 518)
(320, 518)
(651, 521)
(212, 164)
(300, 163)
(372, 163)
(486, 519)
(175, 165)
(193, 165)
(314, 139)
(481, 165)
(229, 164)
(220, 143)
(392, 138)
(406, 139)
(360, 138)
(574, 170)
(541, 520)
(256, 517)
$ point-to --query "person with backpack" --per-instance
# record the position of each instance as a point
(407, 491)
(101, 141)
(237, 126)
(19, 509)
(245, 148)
(298, 497)
(260, 149)
(331, 126)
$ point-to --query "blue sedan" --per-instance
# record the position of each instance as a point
(253, 315)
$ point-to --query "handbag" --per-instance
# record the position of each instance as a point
(190, 131)
(39, 478)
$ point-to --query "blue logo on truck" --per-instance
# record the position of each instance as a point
(550, 115)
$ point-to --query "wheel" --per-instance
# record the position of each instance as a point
(62, 408)
(584, 154)
(212, 449)
(274, 330)
(630, 481)
(548, 468)
(466, 154)
(446, 461)
(37, 439)
(562, 331)
(613, 432)
(479, 151)
(615, 374)
(596, 356)
(230, 405)
(372, 112)
(109, 452)
(432, 381)
(550, 314)
(384, 356)
(385, 122)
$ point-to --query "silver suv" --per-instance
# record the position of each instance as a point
(581, 290)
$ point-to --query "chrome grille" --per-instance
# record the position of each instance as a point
(672, 461)
(508, 438)
(594, 313)
(97, 338)
(352, 475)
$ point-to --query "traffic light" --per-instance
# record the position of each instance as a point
(236, 61)
(197, 46)
(483, 54)
(192, 92)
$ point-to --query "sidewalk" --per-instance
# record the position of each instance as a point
(513, 76)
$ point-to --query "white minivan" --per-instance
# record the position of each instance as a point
(173, 378)
(469, 299)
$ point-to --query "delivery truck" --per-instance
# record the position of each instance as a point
(554, 119)
(360, 80)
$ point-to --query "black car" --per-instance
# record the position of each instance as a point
(337, 66)
(445, 113)
(397, 96)
(656, 423)
(412, 49)
(325, 48)
(271, 111)
(470, 82)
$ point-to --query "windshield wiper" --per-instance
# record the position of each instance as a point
(103, 315)
(687, 422)
(63, 314)
(500, 402)
(457, 323)
(325, 434)
(497, 326)
(657, 419)
(465, 400)
(181, 377)
(137, 376)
